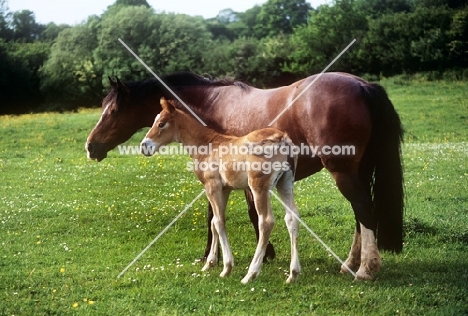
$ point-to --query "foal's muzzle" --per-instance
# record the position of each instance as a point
(147, 147)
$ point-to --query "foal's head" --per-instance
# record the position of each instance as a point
(163, 131)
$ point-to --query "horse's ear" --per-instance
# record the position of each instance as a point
(120, 85)
(117, 84)
(167, 105)
(112, 82)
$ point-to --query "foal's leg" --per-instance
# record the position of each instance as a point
(209, 239)
(361, 201)
(266, 222)
(270, 251)
(218, 199)
(285, 189)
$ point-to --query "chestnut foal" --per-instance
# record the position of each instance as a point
(259, 160)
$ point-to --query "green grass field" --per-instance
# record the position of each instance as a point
(69, 226)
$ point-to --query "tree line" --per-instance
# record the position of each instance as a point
(62, 67)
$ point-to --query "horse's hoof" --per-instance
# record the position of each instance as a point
(364, 275)
(345, 268)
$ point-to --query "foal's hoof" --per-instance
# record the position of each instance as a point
(225, 273)
(270, 253)
(249, 277)
(292, 277)
(208, 265)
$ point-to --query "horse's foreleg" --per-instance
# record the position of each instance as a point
(270, 251)
(285, 189)
(266, 222)
(361, 202)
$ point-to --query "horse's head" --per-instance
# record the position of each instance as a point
(123, 113)
(163, 131)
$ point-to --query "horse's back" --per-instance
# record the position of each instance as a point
(332, 111)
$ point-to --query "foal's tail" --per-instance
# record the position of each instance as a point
(292, 157)
(382, 167)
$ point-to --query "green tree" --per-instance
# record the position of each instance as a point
(375, 8)
(19, 80)
(5, 32)
(166, 42)
(281, 16)
(247, 21)
(256, 61)
(458, 45)
(329, 30)
(132, 3)
(25, 27)
(51, 32)
(413, 41)
(71, 77)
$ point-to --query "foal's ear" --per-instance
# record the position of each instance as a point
(166, 105)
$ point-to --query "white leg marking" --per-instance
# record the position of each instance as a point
(354, 258)
(370, 256)
(285, 190)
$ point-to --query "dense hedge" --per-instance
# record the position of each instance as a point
(62, 67)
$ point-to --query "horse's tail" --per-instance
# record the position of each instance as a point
(383, 168)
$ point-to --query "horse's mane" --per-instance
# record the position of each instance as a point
(188, 79)
(150, 88)
(184, 79)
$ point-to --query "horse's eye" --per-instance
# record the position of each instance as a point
(114, 112)
(161, 125)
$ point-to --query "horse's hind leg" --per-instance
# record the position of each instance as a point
(285, 189)
(270, 251)
(354, 258)
(360, 198)
(266, 222)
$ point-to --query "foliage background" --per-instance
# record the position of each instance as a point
(63, 67)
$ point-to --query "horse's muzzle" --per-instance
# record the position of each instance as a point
(96, 151)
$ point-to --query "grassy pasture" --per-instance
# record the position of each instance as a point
(69, 226)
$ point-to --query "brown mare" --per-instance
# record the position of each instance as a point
(270, 162)
(338, 109)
